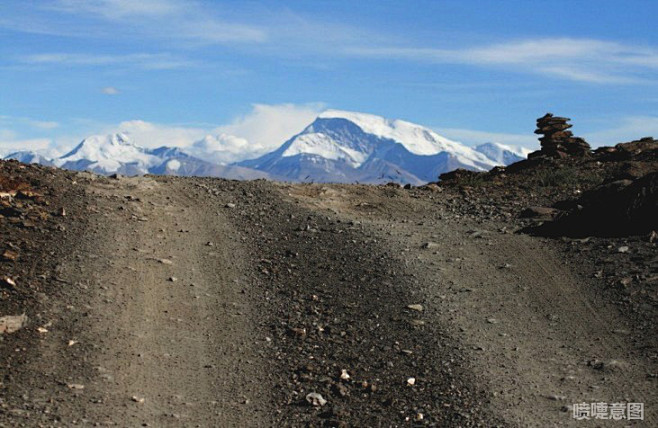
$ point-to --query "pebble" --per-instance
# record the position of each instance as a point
(12, 323)
(557, 397)
(8, 281)
(315, 399)
(10, 255)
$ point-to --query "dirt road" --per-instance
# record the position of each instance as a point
(200, 302)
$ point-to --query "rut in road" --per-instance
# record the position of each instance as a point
(172, 332)
(536, 333)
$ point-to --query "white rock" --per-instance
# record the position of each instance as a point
(12, 323)
(316, 399)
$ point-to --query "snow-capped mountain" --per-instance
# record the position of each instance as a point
(116, 153)
(503, 154)
(344, 146)
(338, 146)
(29, 157)
(106, 154)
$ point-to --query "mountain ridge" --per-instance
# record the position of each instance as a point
(359, 147)
(338, 146)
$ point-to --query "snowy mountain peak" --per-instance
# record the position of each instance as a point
(120, 139)
(503, 154)
(417, 139)
(107, 153)
(99, 145)
(29, 157)
(322, 145)
(357, 147)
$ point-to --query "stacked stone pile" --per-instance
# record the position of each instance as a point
(557, 140)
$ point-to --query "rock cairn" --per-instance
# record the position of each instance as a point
(557, 141)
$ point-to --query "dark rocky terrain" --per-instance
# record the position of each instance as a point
(602, 207)
(481, 300)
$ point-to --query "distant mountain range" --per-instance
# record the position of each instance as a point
(338, 146)
(116, 153)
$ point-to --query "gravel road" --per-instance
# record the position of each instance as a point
(202, 302)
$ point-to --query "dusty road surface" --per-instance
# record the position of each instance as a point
(203, 302)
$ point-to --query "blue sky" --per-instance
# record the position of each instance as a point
(172, 71)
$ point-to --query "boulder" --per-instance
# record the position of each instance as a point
(613, 209)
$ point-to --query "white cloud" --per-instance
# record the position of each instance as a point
(627, 129)
(181, 19)
(142, 60)
(282, 33)
(110, 90)
(473, 137)
(117, 9)
(49, 124)
(42, 145)
(23, 121)
(153, 135)
(266, 127)
(586, 60)
(7, 134)
(222, 148)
